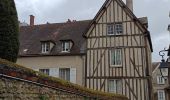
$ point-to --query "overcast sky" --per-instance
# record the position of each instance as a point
(54, 11)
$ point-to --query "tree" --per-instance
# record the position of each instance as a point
(9, 30)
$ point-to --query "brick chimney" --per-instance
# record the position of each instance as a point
(32, 20)
(129, 4)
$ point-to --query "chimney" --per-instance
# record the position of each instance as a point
(32, 20)
(129, 4)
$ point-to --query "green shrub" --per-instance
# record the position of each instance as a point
(9, 30)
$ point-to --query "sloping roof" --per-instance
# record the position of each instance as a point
(31, 37)
(129, 12)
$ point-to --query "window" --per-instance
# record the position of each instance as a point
(161, 95)
(116, 57)
(160, 80)
(66, 46)
(115, 29)
(64, 73)
(118, 29)
(45, 71)
(110, 29)
(45, 47)
(115, 86)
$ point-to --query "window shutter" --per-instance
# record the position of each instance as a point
(73, 75)
(54, 72)
(36, 69)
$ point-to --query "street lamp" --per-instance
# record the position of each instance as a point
(164, 64)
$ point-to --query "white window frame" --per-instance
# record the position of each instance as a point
(161, 95)
(67, 78)
(117, 52)
(115, 29)
(160, 80)
(66, 46)
(45, 46)
(117, 86)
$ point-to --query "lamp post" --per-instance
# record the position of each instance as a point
(165, 64)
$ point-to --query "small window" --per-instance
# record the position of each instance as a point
(66, 46)
(110, 29)
(45, 47)
(115, 86)
(160, 80)
(116, 57)
(45, 71)
(64, 73)
(118, 29)
(161, 95)
(115, 29)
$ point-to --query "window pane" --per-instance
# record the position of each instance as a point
(66, 46)
(161, 95)
(110, 29)
(116, 57)
(45, 47)
(115, 86)
(64, 73)
(118, 28)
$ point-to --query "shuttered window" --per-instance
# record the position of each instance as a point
(64, 73)
(68, 74)
(115, 86)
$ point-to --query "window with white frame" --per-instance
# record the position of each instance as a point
(161, 95)
(45, 47)
(45, 71)
(115, 86)
(115, 29)
(66, 46)
(160, 80)
(64, 73)
(116, 57)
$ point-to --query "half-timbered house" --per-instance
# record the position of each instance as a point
(110, 53)
(118, 57)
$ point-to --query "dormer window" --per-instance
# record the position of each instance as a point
(66, 46)
(45, 47)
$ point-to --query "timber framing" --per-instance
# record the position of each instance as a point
(136, 48)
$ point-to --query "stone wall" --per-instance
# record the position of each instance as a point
(20, 83)
(11, 89)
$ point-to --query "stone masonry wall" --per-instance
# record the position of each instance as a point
(17, 90)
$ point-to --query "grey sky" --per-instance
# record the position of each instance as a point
(54, 11)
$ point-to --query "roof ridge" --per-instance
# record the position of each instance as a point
(59, 23)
